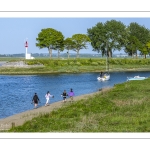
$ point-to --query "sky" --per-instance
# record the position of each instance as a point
(14, 31)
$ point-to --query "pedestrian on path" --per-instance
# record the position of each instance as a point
(47, 96)
(35, 100)
(71, 94)
(64, 95)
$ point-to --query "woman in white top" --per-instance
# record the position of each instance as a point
(47, 96)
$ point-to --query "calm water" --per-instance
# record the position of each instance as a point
(16, 91)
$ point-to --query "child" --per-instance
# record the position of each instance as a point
(47, 96)
(64, 95)
(71, 94)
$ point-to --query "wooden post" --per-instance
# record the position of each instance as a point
(13, 124)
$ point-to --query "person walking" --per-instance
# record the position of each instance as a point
(71, 94)
(64, 95)
(47, 96)
(35, 100)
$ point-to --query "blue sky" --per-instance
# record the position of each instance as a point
(15, 30)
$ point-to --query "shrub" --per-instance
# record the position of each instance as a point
(101, 62)
(71, 63)
(78, 63)
(94, 64)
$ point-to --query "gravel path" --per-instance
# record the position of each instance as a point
(20, 64)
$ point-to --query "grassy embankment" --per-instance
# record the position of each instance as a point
(124, 108)
(76, 65)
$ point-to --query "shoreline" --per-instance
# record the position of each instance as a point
(21, 118)
(9, 68)
(70, 72)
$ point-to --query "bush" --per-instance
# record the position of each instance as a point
(101, 62)
(94, 64)
(78, 63)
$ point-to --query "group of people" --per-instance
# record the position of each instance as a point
(36, 99)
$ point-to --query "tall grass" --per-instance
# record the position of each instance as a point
(77, 65)
(124, 108)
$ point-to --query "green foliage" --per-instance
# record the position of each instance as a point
(41, 66)
(94, 64)
(90, 60)
(107, 37)
(137, 39)
(78, 63)
(69, 44)
(51, 39)
(101, 62)
(80, 41)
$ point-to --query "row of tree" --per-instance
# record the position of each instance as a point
(105, 38)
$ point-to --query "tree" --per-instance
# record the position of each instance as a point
(148, 45)
(97, 36)
(146, 49)
(131, 46)
(80, 42)
(116, 35)
(51, 39)
(69, 45)
(142, 34)
(108, 36)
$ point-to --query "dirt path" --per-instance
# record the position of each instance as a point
(20, 118)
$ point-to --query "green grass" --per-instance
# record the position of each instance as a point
(76, 65)
(124, 108)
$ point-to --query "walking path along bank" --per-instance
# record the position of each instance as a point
(19, 119)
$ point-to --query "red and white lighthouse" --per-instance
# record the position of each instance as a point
(26, 46)
(27, 55)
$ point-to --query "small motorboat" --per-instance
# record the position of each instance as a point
(136, 78)
(105, 77)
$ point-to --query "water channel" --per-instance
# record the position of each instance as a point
(16, 91)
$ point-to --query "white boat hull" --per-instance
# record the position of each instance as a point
(104, 78)
(136, 78)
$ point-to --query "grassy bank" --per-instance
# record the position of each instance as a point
(76, 65)
(124, 108)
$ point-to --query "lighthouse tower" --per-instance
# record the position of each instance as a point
(27, 55)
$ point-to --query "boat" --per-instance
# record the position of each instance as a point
(105, 76)
(136, 78)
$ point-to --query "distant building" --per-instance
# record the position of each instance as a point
(27, 55)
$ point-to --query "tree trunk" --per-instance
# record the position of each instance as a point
(50, 53)
(109, 54)
(136, 54)
(77, 53)
(132, 53)
(68, 54)
(58, 53)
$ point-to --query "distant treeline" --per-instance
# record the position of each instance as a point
(36, 55)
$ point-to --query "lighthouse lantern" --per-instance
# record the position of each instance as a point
(26, 44)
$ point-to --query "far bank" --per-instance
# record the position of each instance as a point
(81, 65)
